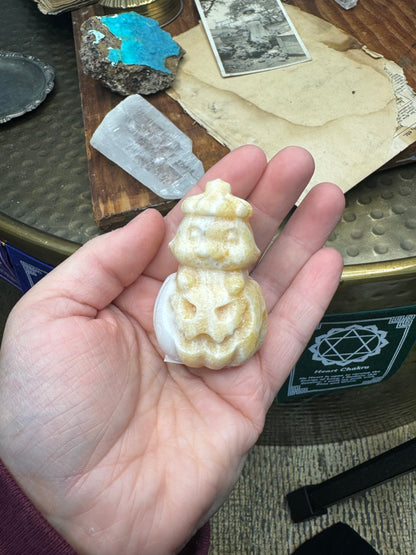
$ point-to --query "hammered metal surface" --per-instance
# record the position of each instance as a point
(379, 221)
(43, 166)
(374, 295)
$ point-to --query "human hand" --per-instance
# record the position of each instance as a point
(121, 452)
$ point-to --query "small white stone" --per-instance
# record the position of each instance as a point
(147, 145)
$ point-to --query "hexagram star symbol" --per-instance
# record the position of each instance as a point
(342, 346)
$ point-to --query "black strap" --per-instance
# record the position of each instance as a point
(310, 501)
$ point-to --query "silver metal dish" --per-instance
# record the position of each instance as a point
(25, 83)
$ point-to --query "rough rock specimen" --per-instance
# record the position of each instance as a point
(129, 53)
(211, 312)
(147, 145)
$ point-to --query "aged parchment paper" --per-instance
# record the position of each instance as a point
(350, 107)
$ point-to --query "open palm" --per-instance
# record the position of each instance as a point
(123, 453)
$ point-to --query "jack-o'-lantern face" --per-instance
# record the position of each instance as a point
(216, 314)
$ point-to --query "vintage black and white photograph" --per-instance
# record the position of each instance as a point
(250, 36)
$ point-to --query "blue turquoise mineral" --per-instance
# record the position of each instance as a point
(129, 53)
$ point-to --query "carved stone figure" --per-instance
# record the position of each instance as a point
(210, 312)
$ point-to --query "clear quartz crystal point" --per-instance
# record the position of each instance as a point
(141, 140)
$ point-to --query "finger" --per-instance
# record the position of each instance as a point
(297, 314)
(102, 268)
(306, 232)
(280, 186)
(242, 168)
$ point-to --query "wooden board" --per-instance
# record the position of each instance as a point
(383, 26)
(117, 196)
